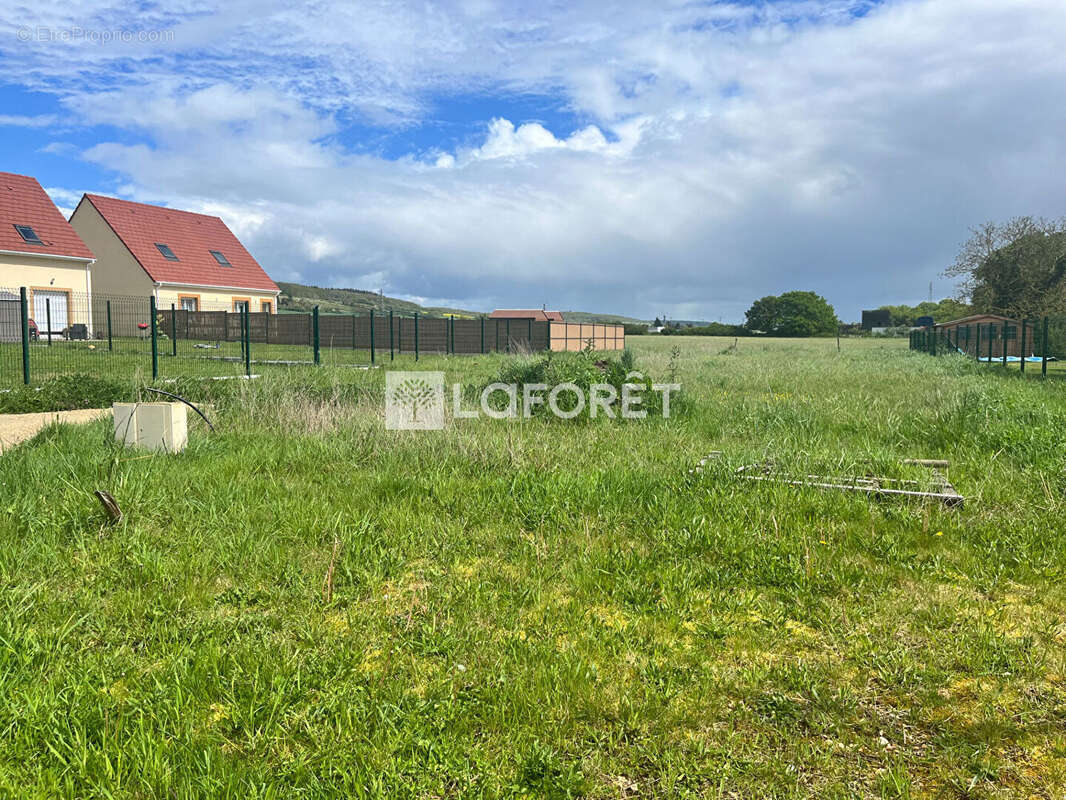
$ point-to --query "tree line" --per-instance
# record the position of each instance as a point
(788, 314)
(1016, 269)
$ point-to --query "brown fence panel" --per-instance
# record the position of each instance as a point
(574, 336)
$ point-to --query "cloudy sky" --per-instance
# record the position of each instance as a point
(636, 158)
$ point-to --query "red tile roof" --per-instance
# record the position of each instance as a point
(24, 202)
(537, 314)
(190, 236)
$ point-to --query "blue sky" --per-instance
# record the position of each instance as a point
(679, 157)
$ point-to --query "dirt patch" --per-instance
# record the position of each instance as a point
(16, 428)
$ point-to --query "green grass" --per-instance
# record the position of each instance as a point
(542, 608)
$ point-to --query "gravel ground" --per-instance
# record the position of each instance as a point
(16, 428)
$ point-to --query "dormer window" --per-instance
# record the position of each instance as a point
(166, 252)
(221, 259)
(28, 234)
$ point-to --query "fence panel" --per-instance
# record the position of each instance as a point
(10, 336)
(112, 335)
(577, 336)
(1031, 346)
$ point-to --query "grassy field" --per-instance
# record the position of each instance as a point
(306, 605)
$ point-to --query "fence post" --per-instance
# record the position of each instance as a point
(155, 337)
(372, 359)
(977, 344)
(24, 306)
(392, 347)
(933, 340)
(174, 330)
(48, 318)
(314, 335)
(507, 331)
(1043, 358)
(1003, 338)
(482, 334)
(353, 335)
(109, 345)
(991, 336)
(248, 341)
(1021, 350)
(416, 336)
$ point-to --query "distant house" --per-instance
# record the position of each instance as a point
(877, 318)
(192, 261)
(39, 250)
(535, 314)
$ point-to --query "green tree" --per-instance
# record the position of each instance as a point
(792, 314)
(1017, 268)
(942, 311)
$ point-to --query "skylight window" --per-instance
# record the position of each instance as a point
(221, 259)
(28, 234)
(166, 252)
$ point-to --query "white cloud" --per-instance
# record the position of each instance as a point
(726, 150)
(17, 121)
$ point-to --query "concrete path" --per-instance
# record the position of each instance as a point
(16, 428)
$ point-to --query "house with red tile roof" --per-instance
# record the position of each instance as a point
(535, 314)
(192, 261)
(40, 251)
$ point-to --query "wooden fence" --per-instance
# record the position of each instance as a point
(576, 336)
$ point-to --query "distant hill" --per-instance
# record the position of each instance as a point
(609, 319)
(298, 297)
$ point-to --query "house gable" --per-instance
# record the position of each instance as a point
(180, 247)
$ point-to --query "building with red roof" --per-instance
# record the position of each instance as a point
(39, 250)
(535, 314)
(192, 261)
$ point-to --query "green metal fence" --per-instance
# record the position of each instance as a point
(1032, 345)
(47, 334)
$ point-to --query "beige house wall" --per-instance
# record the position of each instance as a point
(214, 299)
(44, 273)
(54, 275)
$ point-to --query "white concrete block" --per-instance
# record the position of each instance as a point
(156, 426)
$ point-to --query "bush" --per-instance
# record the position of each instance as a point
(66, 393)
(711, 329)
(583, 369)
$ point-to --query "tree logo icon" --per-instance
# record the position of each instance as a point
(414, 400)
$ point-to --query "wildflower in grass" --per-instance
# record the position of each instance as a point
(940, 533)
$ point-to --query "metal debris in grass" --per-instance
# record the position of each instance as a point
(937, 487)
(114, 513)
